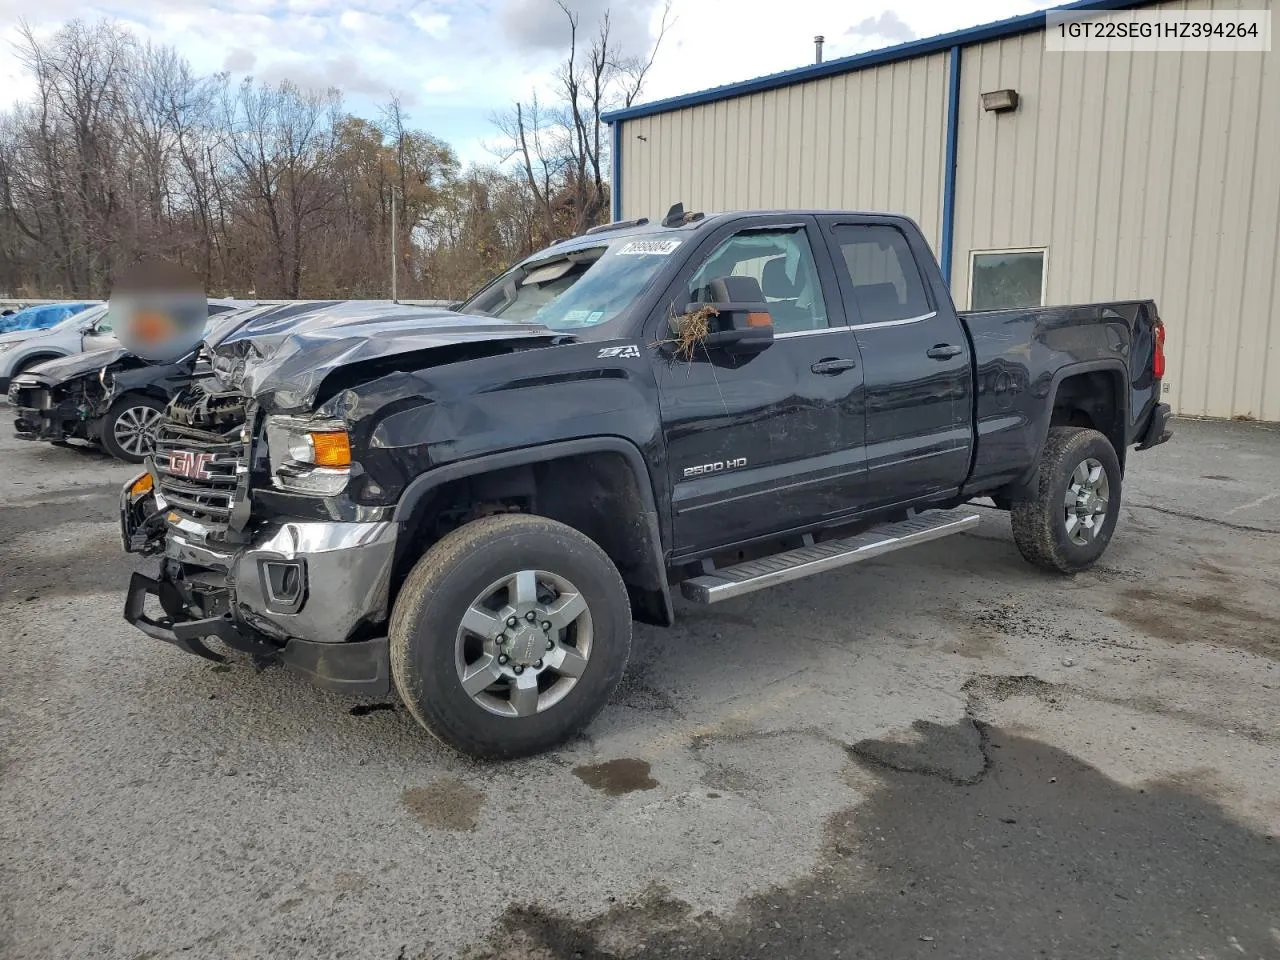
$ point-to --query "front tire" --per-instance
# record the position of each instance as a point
(128, 429)
(509, 636)
(1068, 525)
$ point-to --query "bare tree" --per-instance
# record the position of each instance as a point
(562, 150)
(281, 142)
(125, 151)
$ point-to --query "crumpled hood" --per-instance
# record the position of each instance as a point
(77, 365)
(280, 355)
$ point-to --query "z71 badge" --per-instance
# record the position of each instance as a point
(630, 350)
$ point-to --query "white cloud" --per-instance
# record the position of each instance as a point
(441, 85)
(692, 55)
(432, 24)
(887, 28)
(456, 62)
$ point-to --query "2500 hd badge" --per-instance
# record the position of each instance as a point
(716, 467)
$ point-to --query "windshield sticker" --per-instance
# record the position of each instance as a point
(576, 318)
(595, 316)
(657, 248)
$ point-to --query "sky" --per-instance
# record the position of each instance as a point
(454, 63)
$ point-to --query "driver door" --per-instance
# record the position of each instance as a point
(762, 443)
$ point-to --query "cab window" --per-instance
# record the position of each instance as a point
(782, 262)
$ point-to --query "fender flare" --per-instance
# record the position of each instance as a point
(422, 486)
(1028, 484)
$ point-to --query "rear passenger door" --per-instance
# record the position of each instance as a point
(916, 360)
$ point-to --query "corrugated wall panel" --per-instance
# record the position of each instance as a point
(1144, 175)
(872, 140)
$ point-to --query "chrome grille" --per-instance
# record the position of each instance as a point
(200, 456)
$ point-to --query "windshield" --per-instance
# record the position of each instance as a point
(581, 288)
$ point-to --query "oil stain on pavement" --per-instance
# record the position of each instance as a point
(444, 805)
(978, 844)
(616, 777)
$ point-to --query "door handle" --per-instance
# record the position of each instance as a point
(943, 351)
(833, 366)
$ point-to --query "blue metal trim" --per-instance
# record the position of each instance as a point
(915, 48)
(949, 171)
(615, 171)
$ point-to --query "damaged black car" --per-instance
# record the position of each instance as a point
(109, 398)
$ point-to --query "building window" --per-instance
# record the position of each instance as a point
(1004, 279)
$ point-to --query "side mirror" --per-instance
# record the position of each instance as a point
(742, 324)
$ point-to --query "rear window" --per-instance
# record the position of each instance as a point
(887, 285)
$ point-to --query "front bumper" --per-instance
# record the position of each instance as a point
(38, 416)
(304, 594)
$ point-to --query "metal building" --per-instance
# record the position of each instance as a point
(1116, 175)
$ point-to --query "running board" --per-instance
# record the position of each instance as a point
(793, 564)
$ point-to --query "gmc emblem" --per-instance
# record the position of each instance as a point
(193, 466)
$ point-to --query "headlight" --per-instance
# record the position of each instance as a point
(309, 456)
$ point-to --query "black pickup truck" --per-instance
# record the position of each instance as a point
(473, 506)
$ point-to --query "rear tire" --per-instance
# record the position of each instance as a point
(1068, 525)
(546, 680)
(128, 429)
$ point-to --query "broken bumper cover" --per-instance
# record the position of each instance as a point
(295, 595)
(36, 415)
(1158, 429)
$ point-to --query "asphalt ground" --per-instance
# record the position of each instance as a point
(941, 753)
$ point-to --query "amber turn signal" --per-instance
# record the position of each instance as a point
(140, 486)
(331, 449)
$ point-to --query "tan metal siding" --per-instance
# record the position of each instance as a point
(872, 140)
(1145, 175)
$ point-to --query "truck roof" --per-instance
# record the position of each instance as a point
(694, 223)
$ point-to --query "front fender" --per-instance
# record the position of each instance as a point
(638, 551)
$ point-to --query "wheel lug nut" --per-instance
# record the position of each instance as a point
(512, 621)
(501, 639)
(519, 669)
(531, 616)
(503, 658)
(551, 644)
(538, 664)
(546, 626)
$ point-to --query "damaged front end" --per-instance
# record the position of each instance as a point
(266, 586)
(47, 407)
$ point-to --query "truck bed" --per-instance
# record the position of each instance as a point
(1011, 409)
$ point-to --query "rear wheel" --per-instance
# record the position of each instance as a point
(129, 428)
(509, 635)
(1068, 525)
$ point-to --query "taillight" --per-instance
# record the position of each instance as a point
(1157, 362)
